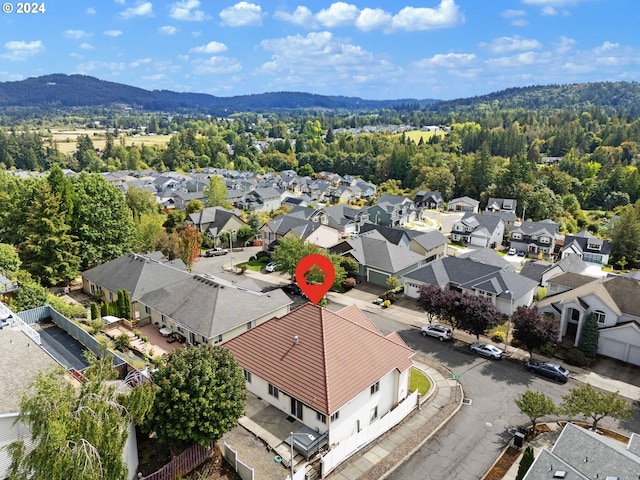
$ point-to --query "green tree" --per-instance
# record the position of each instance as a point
(48, 250)
(190, 241)
(535, 405)
(124, 304)
(216, 193)
(245, 234)
(392, 282)
(482, 169)
(76, 432)
(9, 261)
(30, 295)
(141, 202)
(525, 462)
(595, 404)
(102, 221)
(175, 220)
(625, 237)
(200, 395)
(148, 229)
(169, 245)
(589, 336)
(95, 311)
(194, 206)
(61, 187)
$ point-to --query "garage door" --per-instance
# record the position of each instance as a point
(412, 290)
(613, 348)
(634, 355)
(378, 278)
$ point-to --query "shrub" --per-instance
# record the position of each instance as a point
(576, 358)
(122, 342)
(389, 296)
(252, 258)
(348, 283)
(498, 337)
(386, 304)
(95, 326)
(514, 342)
(262, 255)
(548, 349)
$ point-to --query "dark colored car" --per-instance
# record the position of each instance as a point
(292, 289)
(549, 370)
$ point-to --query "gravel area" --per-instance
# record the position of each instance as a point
(253, 452)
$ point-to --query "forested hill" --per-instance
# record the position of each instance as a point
(613, 97)
(64, 91)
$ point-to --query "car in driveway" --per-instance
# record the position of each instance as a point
(439, 331)
(512, 251)
(271, 267)
(487, 350)
(216, 252)
(549, 370)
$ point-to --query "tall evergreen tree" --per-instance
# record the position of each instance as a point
(589, 336)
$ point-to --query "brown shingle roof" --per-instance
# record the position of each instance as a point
(335, 358)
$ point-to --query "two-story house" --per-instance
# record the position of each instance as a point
(315, 232)
(463, 204)
(215, 220)
(393, 211)
(479, 230)
(428, 200)
(501, 205)
(534, 238)
(588, 247)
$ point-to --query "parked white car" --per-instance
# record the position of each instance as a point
(439, 331)
(271, 267)
(487, 350)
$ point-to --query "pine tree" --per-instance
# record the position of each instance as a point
(589, 337)
(525, 463)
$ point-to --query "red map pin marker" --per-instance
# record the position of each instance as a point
(313, 291)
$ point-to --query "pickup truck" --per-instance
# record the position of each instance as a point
(215, 252)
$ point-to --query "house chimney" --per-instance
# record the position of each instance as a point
(295, 340)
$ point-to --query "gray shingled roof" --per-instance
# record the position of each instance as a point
(429, 240)
(283, 224)
(210, 308)
(625, 292)
(374, 251)
(488, 256)
(137, 274)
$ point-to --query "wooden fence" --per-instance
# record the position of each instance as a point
(184, 463)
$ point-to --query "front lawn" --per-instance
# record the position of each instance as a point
(419, 381)
(255, 265)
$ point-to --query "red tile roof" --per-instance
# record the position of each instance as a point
(334, 359)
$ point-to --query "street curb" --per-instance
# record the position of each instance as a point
(425, 439)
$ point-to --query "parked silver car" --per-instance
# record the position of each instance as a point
(439, 331)
(487, 350)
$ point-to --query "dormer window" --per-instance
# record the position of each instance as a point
(516, 235)
(545, 240)
(594, 246)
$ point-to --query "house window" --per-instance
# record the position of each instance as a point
(110, 296)
(335, 416)
(180, 329)
(204, 340)
(594, 246)
(321, 417)
(374, 413)
(217, 339)
(147, 310)
(273, 391)
(375, 387)
(545, 240)
(247, 376)
(600, 316)
(251, 324)
(516, 235)
(164, 319)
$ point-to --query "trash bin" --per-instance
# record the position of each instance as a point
(518, 439)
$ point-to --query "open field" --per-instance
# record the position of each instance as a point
(416, 134)
(66, 139)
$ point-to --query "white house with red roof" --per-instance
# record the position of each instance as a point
(333, 371)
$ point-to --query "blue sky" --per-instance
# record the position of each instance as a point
(380, 49)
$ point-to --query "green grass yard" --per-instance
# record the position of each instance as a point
(419, 381)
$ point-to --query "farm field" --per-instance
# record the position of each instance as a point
(66, 138)
(416, 134)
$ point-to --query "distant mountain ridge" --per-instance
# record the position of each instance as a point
(68, 91)
(65, 91)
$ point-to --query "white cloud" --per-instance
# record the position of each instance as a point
(211, 47)
(90, 11)
(188, 10)
(167, 30)
(321, 61)
(111, 67)
(447, 14)
(511, 44)
(121, 2)
(341, 14)
(446, 60)
(18, 50)
(552, 3)
(113, 33)
(301, 16)
(549, 11)
(141, 9)
(139, 61)
(154, 78)
(519, 22)
(513, 13)
(216, 65)
(564, 45)
(86, 46)
(373, 19)
(76, 34)
(196, 34)
(242, 14)
(606, 47)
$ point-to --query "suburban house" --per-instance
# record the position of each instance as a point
(393, 211)
(534, 238)
(431, 244)
(215, 220)
(333, 371)
(501, 205)
(260, 200)
(283, 225)
(478, 230)
(205, 310)
(582, 454)
(378, 258)
(542, 272)
(428, 200)
(197, 308)
(346, 219)
(463, 204)
(614, 302)
(589, 248)
(504, 288)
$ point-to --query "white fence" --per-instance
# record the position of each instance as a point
(16, 322)
(368, 434)
(244, 471)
